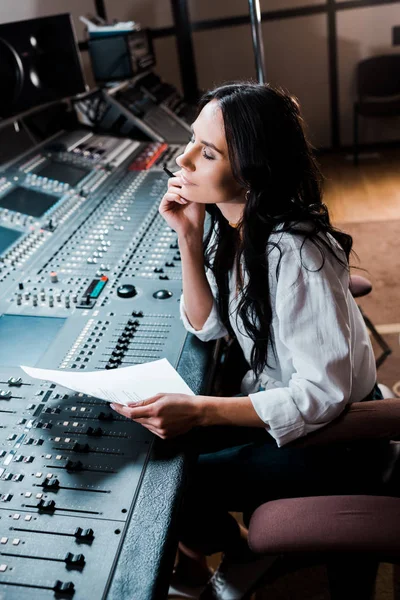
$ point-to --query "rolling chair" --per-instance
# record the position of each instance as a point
(378, 91)
(350, 534)
(360, 286)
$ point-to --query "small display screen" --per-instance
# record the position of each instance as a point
(28, 202)
(63, 172)
(25, 339)
(7, 237)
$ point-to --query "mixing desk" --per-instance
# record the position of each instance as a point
(90, 279)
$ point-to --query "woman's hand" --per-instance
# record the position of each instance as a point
(185, 217)
(165, 415)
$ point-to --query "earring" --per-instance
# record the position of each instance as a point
(247, 194)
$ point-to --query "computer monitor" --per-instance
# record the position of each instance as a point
(39, 63)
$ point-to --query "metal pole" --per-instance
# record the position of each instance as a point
(256, 34)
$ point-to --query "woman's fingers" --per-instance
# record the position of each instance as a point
(172, 197)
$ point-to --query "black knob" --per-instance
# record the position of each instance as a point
(117, 353)
(15, 381)
(76, 560)
(130, 329)
(51, 484)
(105, 416)
(64, 587)
(74, 465)
(46, 505)
(122, 347)
(133, 322)
(137, 313)
(162, 294)
(126, 335)
(94, 431)
(84, 534)
(126, 291)
(77, 447)
(114, 361)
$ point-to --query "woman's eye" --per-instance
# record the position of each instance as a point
(207, 156)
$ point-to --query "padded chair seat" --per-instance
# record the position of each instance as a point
(359, 286)
(327, 524)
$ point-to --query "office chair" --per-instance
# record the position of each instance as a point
(360, 286)
(350, 534)
(378, 91)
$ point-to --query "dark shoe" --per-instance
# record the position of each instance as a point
(234, 580)
(181, 587)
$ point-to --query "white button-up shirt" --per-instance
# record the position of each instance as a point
(324, 357)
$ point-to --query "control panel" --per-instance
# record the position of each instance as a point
(90, 279)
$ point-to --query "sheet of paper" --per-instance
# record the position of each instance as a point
(122, 386)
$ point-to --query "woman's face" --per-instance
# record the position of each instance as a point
(206, 172)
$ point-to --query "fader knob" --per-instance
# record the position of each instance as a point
(77, 560)
(105, 416)
(126, 291)
(74, 465)
(94, 431)
(77, 447)
(84, 534)
(51, 484)
(64, 587)
(46, 505)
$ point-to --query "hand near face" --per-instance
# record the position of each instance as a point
(165, 415)
(183, 216)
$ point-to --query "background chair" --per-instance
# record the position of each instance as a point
(378, 90)
(360, 286)
(350, 534)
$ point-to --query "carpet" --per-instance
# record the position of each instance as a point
(377, 245)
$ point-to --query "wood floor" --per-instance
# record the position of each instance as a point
(369, 192)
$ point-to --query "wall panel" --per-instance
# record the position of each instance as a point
(363, 33)
(282, 4)
(149, 13)
(223, 55)
(296, 57)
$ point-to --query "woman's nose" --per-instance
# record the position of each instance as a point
(185, 161)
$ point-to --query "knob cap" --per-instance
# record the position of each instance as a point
(162, 294)
(126, 291)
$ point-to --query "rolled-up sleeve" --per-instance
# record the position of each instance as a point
(313, 325)
(213, 328)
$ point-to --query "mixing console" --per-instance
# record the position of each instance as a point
(90, 279)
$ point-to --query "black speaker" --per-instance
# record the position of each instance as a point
(39, 63)
(119, 57)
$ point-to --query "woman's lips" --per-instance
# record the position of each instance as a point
(186, 181)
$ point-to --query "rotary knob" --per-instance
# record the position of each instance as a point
(162, 294)
(126, 291)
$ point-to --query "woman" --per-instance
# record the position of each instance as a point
(273, 272)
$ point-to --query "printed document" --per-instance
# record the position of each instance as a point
(122, 386)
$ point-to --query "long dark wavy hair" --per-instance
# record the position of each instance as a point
(272, 159)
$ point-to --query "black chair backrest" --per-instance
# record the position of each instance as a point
(379, 76)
